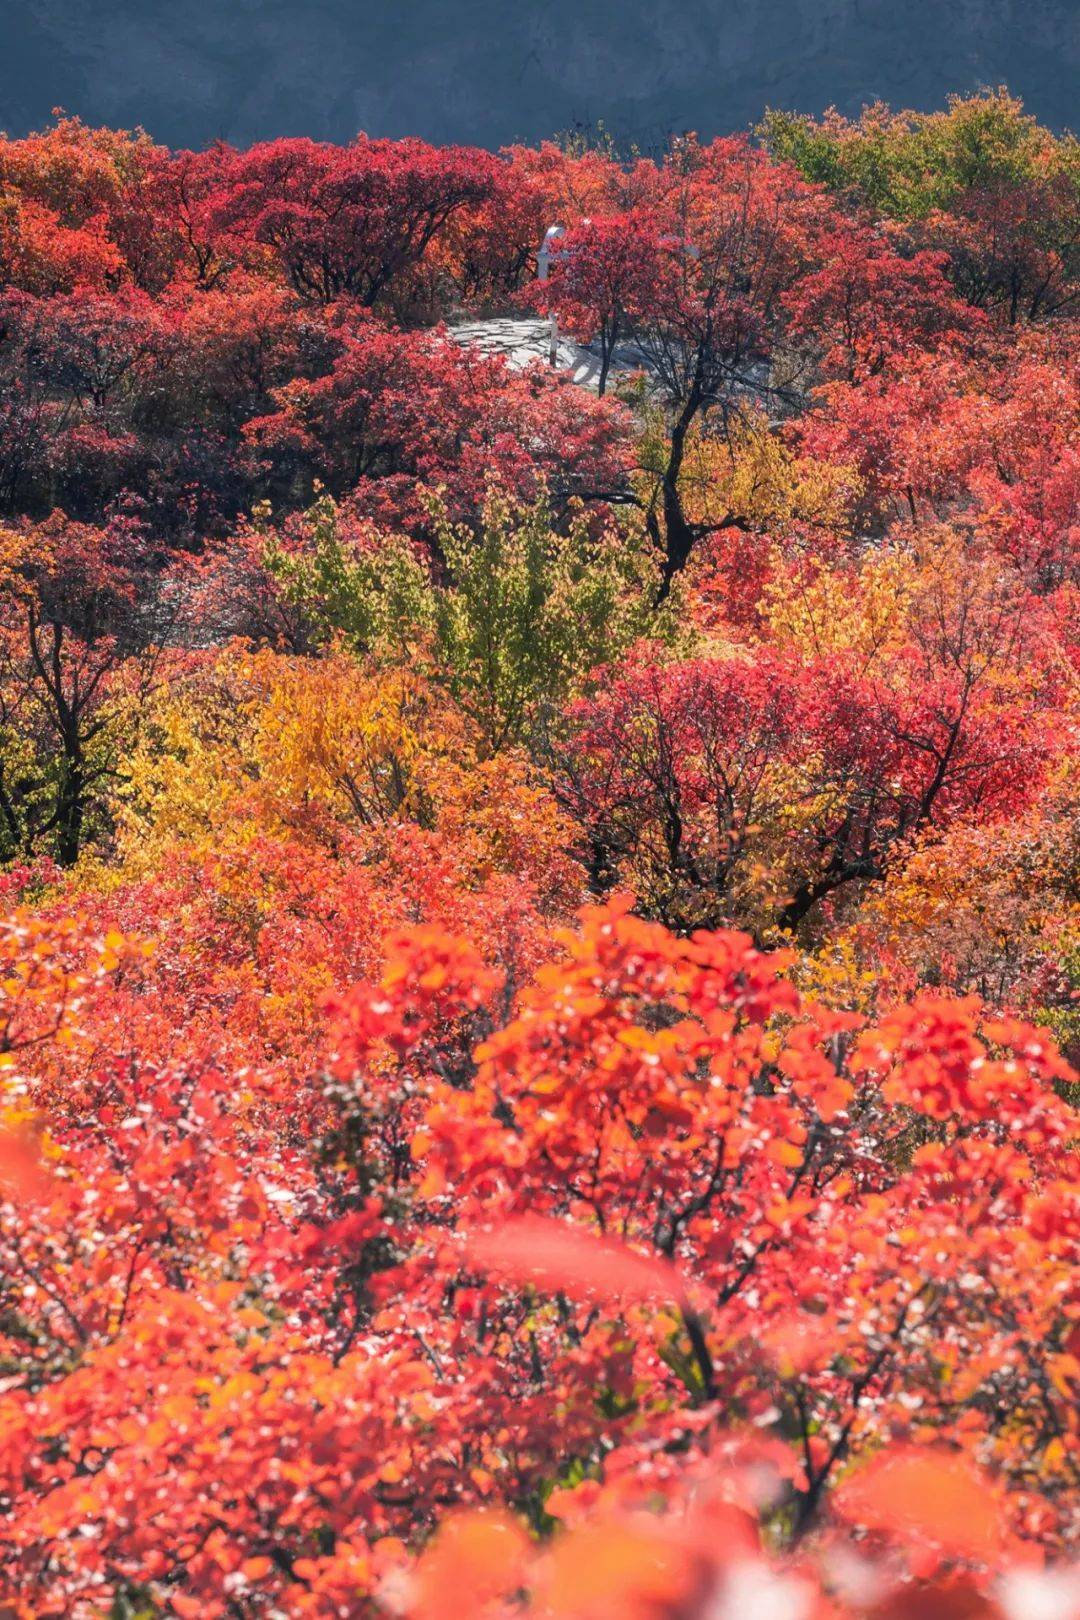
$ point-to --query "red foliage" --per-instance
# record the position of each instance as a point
(604, 279)
(351, 221)
(376, 1239)
(689, 767)
(399, 411)
(869, 308)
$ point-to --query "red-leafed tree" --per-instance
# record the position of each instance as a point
(383, 1234)
(397, 411)
(721, 236)
(354, 221)
(867, 307)
(602, 280)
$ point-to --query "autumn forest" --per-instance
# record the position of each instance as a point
(540, 920)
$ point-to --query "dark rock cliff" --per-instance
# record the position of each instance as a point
(492, 71)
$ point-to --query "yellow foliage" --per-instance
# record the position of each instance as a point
(264, 745)
(187, 768)
(749, 472)
(979, 909)
(840, 975)
(819, 610)
(331, 737)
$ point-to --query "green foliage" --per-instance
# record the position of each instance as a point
(821, 154)
(512, 618)
(1063, 1019)
(377, 600)
(593, 140)
(907, 165)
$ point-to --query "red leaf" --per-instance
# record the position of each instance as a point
(556, 1255)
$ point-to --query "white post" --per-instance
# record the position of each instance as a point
(543, 265)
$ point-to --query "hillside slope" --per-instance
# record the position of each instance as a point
(489, 71)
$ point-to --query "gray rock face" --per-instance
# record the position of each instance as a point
(494, 71)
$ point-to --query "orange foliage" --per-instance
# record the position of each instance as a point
(384, 1232)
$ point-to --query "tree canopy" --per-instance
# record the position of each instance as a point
(540, 929)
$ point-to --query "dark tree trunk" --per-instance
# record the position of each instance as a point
(678, 535)
(69, 812)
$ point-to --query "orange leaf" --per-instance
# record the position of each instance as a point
(931, 1496)
(254, 1569)
(475, 1557)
